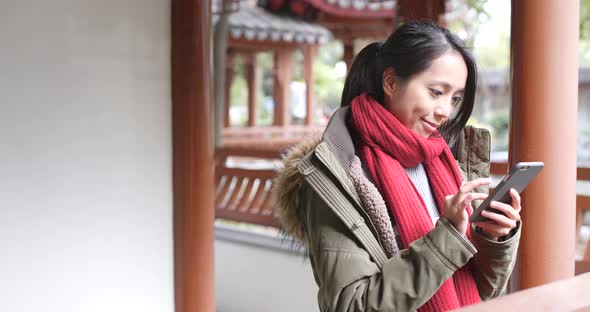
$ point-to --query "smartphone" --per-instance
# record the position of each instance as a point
(520, 175)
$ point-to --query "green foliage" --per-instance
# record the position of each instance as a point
(468, 18)
(584, 19)
(297, 74)
(328, 86)
(265, 63)
(464, 18)
(584, 44)
(500, 121)
(330, 53)
(239, 95)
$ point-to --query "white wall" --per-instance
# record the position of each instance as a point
(85, 156)
(258, 279)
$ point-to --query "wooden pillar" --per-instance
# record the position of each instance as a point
(192, 130)
(348, 55)
(421, 9)
(229, 78)
(543, 128)
(252, 80)
(283, 68)
(309, 53)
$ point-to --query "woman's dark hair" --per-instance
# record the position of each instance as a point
(408, 51)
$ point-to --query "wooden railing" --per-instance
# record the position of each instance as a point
(566, 295)
(245, 195)
(269, 136)
(262, 132)
(262, 142)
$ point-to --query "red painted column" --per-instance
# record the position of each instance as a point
(283, 68)
(192, 120)
(252, 80)
(348, 56)
(229, 78)
(309, 53)
(543, 128)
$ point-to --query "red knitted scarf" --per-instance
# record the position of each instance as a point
(387, 147)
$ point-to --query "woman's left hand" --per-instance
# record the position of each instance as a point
(502, 223)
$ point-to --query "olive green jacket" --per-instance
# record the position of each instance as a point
(314, 196)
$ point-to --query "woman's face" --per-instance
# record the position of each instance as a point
(427, 99)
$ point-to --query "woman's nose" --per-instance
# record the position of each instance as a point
(444, 108)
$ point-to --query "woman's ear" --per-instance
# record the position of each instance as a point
(389, 82)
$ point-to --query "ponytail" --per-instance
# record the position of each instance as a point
(362, 76)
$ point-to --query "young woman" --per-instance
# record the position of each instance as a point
(382, 201)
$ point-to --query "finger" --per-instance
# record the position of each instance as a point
(479, 196)
(508, 210)
(460, 198)
(500, 219)
(467, 188)
(472, 197)
(472, 185)
(467, 198)
(515, 199)
(493, 229)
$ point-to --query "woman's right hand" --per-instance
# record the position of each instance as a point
(456, 205)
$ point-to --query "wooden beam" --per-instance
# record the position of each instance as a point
(501, 168)
(544, 72)
(261, 45)
(351, 28)
(193, 146)
(421, 9)
(347, 34)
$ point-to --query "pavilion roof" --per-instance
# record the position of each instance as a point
(356, 8)
(257, 24)
(348, 9)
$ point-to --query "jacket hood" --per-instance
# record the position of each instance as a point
(286, 190)
(289, 181)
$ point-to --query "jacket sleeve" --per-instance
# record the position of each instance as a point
(349, 280)
(494, 262)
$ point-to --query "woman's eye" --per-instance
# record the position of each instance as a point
(435, 92)
(457, 100)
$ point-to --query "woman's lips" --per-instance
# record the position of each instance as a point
(431, 127)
